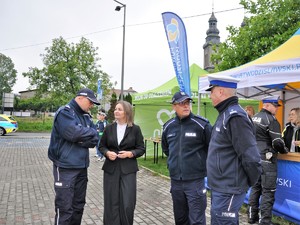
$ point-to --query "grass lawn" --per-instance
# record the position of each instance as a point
(157, 168)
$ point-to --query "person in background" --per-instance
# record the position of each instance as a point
(269, 142)
(122, 142)
(291, 132)
(250, 110)
(233, 161)
(100, 125)
(297, 139)
(185, 140)
(73, 133)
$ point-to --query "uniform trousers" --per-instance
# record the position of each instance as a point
(189, 201)
(264, 188)
(119, 197)
(225, 208)
(70, 192)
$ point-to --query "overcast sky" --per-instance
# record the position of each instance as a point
(29, 26)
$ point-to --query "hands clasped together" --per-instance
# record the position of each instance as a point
(121, 154)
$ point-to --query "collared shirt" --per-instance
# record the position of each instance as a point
(121, 131)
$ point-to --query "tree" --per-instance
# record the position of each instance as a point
(68, 68)
(8, 75)
(113, 103)
(271, 24)
(128, 98)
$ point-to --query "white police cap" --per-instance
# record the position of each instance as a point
(221, 81)
(274, 100)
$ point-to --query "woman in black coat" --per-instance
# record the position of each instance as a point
(122, 142)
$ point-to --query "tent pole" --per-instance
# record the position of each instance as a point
(283, 111)
(199, 102)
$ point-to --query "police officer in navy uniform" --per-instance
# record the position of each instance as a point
(185, 140)
(73, 133)
(233, 162)
(269, 141)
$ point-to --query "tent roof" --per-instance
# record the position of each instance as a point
(279, 69)
(166, 88)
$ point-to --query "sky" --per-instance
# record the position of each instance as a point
(29, 26)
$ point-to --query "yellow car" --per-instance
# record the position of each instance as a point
(7, 124)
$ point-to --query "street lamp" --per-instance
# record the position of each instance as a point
(118, 8)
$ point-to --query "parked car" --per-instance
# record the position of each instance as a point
(7, 124)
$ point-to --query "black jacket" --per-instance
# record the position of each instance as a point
(133, 141)
(233, 162)
(73, 133)
(268, 133)
(185, 142)
(287, 136)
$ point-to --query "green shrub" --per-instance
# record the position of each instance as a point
(34, 124)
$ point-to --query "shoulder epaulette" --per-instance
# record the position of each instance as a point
(66, 107)
(166, 124)
(201, 118)
(169, 120)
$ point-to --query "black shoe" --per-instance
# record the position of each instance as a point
(253, 220)
(271, 223)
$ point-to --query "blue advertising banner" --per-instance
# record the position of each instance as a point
(287, 197)
(99, 90)
(176, 35)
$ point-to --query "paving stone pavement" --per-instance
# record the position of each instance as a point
(27, 194)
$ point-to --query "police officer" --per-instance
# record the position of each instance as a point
(233, 162)
(268, 137)
(73, 133)
(185, 140)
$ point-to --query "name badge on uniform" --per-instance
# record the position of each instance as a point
(190, 134)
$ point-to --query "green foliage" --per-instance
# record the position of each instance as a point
(128, 98)
(38, 104)
(8, 75)
(113, 102)
(68, 68)
(35, 124)
(271, 24)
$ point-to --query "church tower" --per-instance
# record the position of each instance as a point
(212, 38)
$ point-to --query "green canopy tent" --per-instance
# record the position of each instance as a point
(153, 108)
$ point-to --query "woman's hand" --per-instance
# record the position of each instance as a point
(297, 143)
(111, 155)
(125, 154)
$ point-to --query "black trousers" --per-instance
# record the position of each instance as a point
(119, 198)
(70, 192)
(264, 188)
